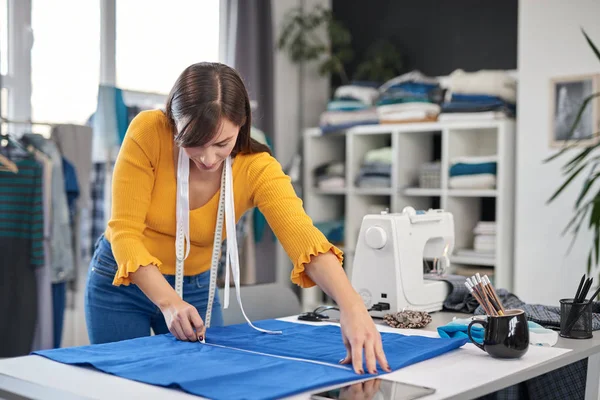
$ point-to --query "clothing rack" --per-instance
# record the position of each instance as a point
(26, 122)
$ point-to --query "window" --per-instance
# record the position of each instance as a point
(156, 42)
(4, 37)
(65, 60)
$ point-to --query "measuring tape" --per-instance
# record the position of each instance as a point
(226, 211)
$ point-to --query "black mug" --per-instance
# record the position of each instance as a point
(505, 336)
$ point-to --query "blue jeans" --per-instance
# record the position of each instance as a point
(115, 313)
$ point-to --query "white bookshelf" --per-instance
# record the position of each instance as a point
(412, 145)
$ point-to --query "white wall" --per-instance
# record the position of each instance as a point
(550, 44)
(288, 127)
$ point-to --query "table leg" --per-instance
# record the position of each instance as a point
(592, 383)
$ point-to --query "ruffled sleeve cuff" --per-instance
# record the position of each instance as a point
(133, 263)
(299, 275)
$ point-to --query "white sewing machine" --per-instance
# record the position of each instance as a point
(388, 263)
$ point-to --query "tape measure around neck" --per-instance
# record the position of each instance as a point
(226, 211)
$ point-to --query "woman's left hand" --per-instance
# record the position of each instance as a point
(360, 334)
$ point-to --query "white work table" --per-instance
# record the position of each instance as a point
(465, 373)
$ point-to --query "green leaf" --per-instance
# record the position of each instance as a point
(581, 156)
(577, 227)
(586, 187)
(595, 216)
(570, 168)
(592, 45)
(565, 184)
(584, 104)
(597, 245)
(580, 213)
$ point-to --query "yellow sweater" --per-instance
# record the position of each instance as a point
(141, 229)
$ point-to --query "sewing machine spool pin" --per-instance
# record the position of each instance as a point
(388, 261)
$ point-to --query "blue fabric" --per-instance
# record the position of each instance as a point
(71, 186)
(473, 169)
(223, 373)
(122, 114)
(400, 99)
(412, 87)
(259, 222)
(458, 329)
(333, 230)
(476, 98)
(478, 103)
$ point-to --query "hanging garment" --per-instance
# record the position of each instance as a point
(22, 249)
(63, 268)
(239, 362)
(97, 216)
(44, 332)
(75, 144)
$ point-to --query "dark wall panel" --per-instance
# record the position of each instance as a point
(436, 36)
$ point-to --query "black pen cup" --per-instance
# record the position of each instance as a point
(575, 319)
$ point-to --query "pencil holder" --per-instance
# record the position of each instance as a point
(575, 319)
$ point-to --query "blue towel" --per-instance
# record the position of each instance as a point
(461, 169)
(458, 329)
(225, 373)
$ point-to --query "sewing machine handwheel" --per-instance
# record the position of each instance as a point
(409, 210)
(376, 237)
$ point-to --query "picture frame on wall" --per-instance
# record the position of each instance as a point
(566, 97)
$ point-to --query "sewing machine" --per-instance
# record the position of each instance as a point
(388, 263)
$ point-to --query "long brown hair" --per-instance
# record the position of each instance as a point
(202, 96)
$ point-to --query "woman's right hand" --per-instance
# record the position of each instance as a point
(184, 321)
(182, 318)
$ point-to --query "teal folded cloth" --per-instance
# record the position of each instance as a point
(346, 105)
(458, 329)
(461, 169)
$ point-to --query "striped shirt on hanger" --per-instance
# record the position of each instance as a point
(21, 208)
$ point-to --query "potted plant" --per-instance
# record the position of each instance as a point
(586, 161)
(299, 37)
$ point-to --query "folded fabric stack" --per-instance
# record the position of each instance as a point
(485, 94)
(351, 105)
(485, 237)
(333, 231)
(473, 172)
(430, 175)
(376, 169)
(330, 175)
(411, 97)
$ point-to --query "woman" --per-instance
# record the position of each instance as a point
(207, 119)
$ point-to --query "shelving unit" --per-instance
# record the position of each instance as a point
(413, 145)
